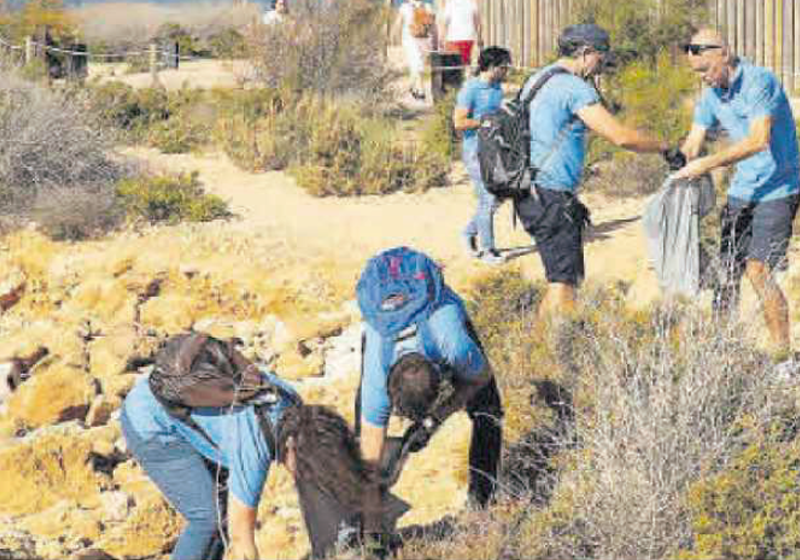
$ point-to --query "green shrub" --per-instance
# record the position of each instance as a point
(228, 43)
(329, 48)
(344, 153)
(752, 508)
(153, 116)
(652, 98)
(438, 134)
(635, 33)
(170, 199)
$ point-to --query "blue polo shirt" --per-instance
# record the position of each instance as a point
(443, 339)
(755, 92)
(478, 97)
(558, 136)
(242, 448)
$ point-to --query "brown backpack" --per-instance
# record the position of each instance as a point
(197, 370)
(421, 23)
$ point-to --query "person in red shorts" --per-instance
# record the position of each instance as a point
(461, 28)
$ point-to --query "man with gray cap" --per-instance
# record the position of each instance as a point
(565, 108)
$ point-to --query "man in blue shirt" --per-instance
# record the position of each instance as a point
(749, 103)
(404, 376)
(561, 114)
(479, 96)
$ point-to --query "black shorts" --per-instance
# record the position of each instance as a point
(555, 219)
(756, 231)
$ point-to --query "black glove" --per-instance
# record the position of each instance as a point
(419, 434)
(675, 158)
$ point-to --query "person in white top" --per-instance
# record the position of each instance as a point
(461, 28)
(277, 14)
(419, 38)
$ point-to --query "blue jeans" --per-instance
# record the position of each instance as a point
(482, 223)
(183, 476)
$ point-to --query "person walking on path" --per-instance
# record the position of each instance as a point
(423, 360)
(477, 97)
(461, 28)
(185, 457)
(561, 114)
(750, 104)
(418, 32)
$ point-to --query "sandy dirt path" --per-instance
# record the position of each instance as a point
(344, 232)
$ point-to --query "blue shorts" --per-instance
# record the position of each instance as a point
(757, 231)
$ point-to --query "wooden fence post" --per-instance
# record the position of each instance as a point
(29, 50)
(796, 72)
(154, 64)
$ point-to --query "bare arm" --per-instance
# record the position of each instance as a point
(461, 120)
(756, 141)
(694, 142)
(599, 120)
(242, 524)
(372, 438)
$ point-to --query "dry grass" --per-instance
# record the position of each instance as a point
(51, 147)
(611, 421)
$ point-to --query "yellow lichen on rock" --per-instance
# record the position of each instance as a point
(57, 394)
(47, 468)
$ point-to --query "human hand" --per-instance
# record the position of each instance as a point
(675, 158)
(694, 168)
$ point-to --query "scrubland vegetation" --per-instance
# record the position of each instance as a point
(630, 434)
(650, 434)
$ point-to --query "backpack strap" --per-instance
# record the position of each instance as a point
(543, 78)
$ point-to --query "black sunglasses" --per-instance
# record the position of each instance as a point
(697, 49)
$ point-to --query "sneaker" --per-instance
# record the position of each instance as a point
(471, 245)
(491, 256)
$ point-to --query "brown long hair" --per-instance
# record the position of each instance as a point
(327, 453)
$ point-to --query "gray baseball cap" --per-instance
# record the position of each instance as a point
(584, 34)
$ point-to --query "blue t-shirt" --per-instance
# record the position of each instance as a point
(443, 339)
(242, 448)
(755, 92)
(478, 97)
(558, 136)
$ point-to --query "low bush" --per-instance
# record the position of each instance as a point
(642, 434)
(438, 135)
(652, 98)
(74, 215)
(168, 199)
(327, 145)
(751, 509)
(152, 116)
(50, 142)
(331, 48)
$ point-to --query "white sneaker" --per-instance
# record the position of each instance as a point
(491, 256)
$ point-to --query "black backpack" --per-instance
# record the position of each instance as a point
(504, 143)
(197, 370)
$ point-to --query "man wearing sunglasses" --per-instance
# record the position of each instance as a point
(749, 103)
(563, 111)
